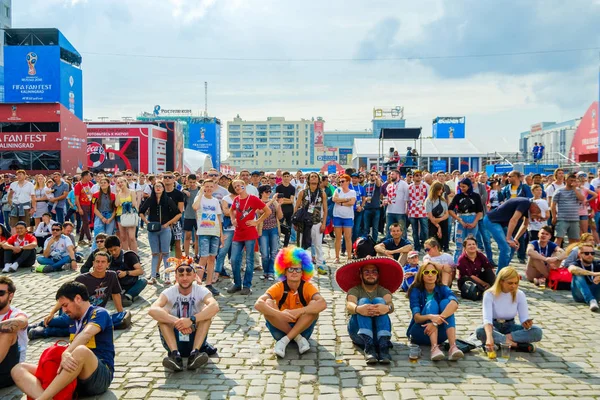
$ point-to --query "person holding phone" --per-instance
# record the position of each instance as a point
(501, 304)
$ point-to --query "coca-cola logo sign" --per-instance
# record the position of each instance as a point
(96, 154)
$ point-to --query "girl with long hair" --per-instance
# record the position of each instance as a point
(104, 210)
(161, 208)
(126, 201)
(343, 216)
(501, 304)
(269, 232)
(437, 213)
(41, 201)
(433, 306)
(572, 250)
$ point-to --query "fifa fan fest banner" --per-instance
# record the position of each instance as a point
(36, 74)
(584, 147)
(318, 133)
(206, 138)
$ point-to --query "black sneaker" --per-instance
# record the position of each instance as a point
(173, 361)
(233, 289)
(126, 300)
(36, 332)
(196, 360)
(208, 349)
(525, 347)
(213, 290)
(246, 291)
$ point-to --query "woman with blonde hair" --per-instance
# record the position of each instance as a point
(572, 251)
(433, 306)
(126, 201)
(41, 200)
(501, 304)
(437, 213)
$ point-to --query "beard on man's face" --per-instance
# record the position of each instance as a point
(3, 304)
(370, 281)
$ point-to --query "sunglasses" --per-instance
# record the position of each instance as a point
(343, 181)
(213, 174)
(3, 292)
(181, 270)
(56, 229)
(292, 270)
(129, 174)
(430, 272)
(427, 249)
(168, 177)
(100, 241)
(588, 253)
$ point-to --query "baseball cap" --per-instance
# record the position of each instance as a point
(354, 175)
(413, 253)
(255, 173)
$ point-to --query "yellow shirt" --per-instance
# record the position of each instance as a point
(123, 200)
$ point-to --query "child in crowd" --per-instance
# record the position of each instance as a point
(410, 270)
(50, 195)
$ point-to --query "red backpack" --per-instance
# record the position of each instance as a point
(48, 369)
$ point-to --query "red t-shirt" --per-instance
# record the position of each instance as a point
(245, 210)
(84, 192)
(27, 239)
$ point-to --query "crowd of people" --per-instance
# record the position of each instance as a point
(277, 223)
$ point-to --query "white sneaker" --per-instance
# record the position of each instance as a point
(6, 268)
(594, 305)
(14, 267)
(303, 344)
(279, 349)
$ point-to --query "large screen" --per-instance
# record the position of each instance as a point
(112, 154)
(206, 137)
(31, 74)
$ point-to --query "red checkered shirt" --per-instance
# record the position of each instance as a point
(417, 196)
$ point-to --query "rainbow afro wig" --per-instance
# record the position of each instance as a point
(294, 257)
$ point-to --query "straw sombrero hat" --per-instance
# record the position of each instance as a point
(390, 273)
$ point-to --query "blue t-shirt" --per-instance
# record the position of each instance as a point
(409, 280)
(102, 345)
(390, 245)
(59, 190)
(545, 251)
(360, 193)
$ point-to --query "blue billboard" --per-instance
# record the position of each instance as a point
(31, 74)
(206, 137)
(36, 74)
(449, 128)
(439, 166)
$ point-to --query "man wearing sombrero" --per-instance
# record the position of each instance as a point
(292, 306)
(370, 283)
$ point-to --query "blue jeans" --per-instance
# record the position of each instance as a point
(269, 246)
(357, 229)
(60, 214)
(372, 216)
(223, 251)
(417, 333)
(390, 219)
(361, 325)
(236, 263)
(160, 245)
(55, 265)
(6, 215)
(58, 326)
(499, 235)
(278, 335)
(420, 231)
(484, 241)
(135, 290)
(583, 290)
(101, 227)
(518, 333)
(462, 233)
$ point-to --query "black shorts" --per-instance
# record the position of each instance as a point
(189, 225)
(184, 348)
(97, 383)
(11, 359)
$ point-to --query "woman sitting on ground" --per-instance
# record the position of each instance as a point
(474, 266)
(572, 251)
(433, 306)
(501, 304)
(442, 261)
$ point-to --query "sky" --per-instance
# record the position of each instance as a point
(501, 64)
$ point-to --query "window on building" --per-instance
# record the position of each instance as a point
(275, 140)
(288, 126)
(305, 162)
(234, 140)
(288, 146)
(263, 127)
(261, 133)
(276, 146)
(234, 134)
(251, 127)
(306, 153)
(248, 147)
(288, 140)
(234, 127)
(261, 146)
(261, 140)
(7, 12)
(234, 147)
(275, 133)
(248, 140)
(276, 126)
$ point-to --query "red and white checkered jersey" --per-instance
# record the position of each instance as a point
(417, 196)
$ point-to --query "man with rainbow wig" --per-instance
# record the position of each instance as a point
(292, 305)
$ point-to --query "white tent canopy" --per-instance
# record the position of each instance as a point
(195, 161)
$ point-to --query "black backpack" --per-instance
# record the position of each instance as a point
(286, 290)
(471, 291)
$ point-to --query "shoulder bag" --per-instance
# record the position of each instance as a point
(156, 226)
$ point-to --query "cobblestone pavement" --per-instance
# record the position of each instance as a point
(566, 365)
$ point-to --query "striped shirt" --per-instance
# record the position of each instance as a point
(567, 205)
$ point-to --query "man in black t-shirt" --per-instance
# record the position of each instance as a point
(128, 268)
(179, 198)
(287, 206)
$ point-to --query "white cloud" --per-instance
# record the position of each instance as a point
(191, 10)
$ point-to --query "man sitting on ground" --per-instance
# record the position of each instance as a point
(292, 306)
(90, 356)
(184, 313)
(102, 284)
(128, 268)
(585, 285)
(13, 332)
(89, 263)
(395, 247)
(58, 251)
(544, 256)
(370, 283)
(19, 249)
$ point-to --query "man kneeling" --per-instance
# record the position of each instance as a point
(90, 356)
(292, 306)
(184, 313)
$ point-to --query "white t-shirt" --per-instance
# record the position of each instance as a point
(503, 307)
(60, 247)
(397, 197)
(96, 188)
(537, 225)
(341, 211)
(220, 192)
(22, 339)
(443, 258)
(252, 190)
(22, 194)
(552, 188)
(135, 187)
(229, 200)
(208, 217)
(44, 229)
(148, 189)
(182, 306)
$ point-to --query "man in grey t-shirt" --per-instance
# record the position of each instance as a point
(189, 215)
(565, 210)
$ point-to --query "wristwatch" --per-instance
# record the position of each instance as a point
(390, 308)
(434, 324)
(193, 319)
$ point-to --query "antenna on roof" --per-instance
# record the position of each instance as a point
(206, 99)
